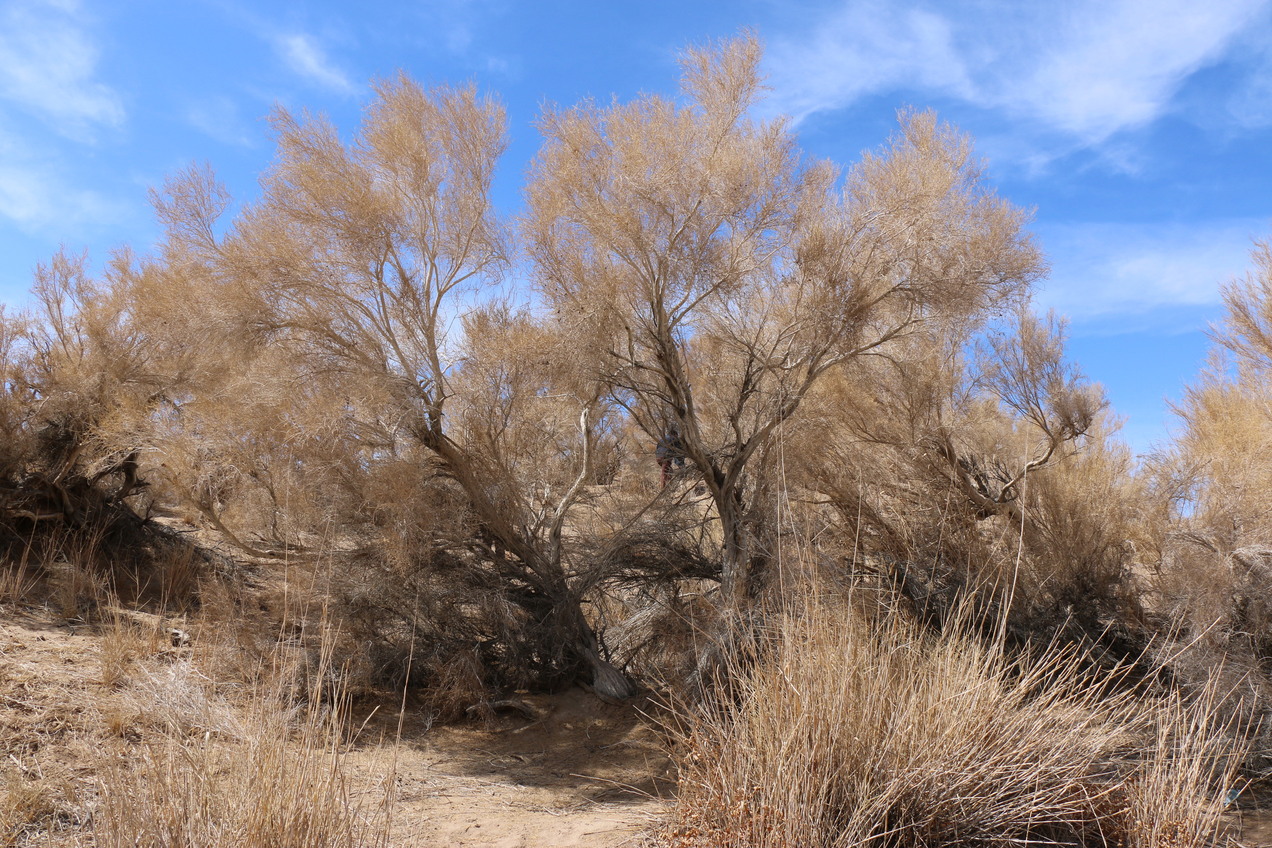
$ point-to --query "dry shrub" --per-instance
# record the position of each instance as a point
(996, 478)
(457, 687)
(1212, 581)
(238, 636)
(657, 592)
(128, 640)
(1217, 642)
(1057, 564)
(855, 733)
(83, 571)
(178, 700)
(221, 767)
(175, 572)
(661, 636)
(432, 624)
(447, 624)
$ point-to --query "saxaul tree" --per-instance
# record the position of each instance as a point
(718, 275)
(346, 365)
(375, 267)
(82, 373)
(980, 462)
(89, 372)
(1219, 462)
(1024, 373)
(1213, 558)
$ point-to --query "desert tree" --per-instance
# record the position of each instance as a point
(979, 463)
(1024, 371)
(1215, 564)
(1213, 538)
(719, 275)
(92, 368)
(1217, 464)
(1247, 328)
(377, 267)
(121, 370)
(82, 372)
(14, 405)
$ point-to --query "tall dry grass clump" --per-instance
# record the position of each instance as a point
(1194, 746)
(859, 732)
(257, 767)
(273, 787)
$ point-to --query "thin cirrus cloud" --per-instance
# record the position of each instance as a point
(1249, 105)
(39, 200)
(305, 57)
(52, 105)
(220, 118)
(1103, 270)
(38, 197)
(1086, 69)
(48, 66)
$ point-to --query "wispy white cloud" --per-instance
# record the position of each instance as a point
(39, 198)
(865, 47)
(48, 66)
(1249, 101)
(39, 201)
(1101, 270)
(1117, 65)
(307, 58)
(1085, 69)
(219, 117)
(458, 37)
(1250, 106)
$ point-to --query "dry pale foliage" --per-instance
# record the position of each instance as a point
(714, 276)
(343, 370)
(866, 731)
(1214, 570)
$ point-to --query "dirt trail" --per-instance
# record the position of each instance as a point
(581, 774)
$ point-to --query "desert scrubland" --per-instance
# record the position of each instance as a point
(722, 497)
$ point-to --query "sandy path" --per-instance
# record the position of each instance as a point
(585, 774)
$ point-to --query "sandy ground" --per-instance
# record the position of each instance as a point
(585, 774)
(580, 773)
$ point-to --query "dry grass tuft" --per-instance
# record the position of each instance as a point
(178, 700)
(18, 579)
(76, 590)
(277, 784)
(127, 641)
(1177, 796)
(225, 766)
(31, 806)
(856, 732)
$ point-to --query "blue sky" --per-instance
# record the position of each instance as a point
(1139, 130)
